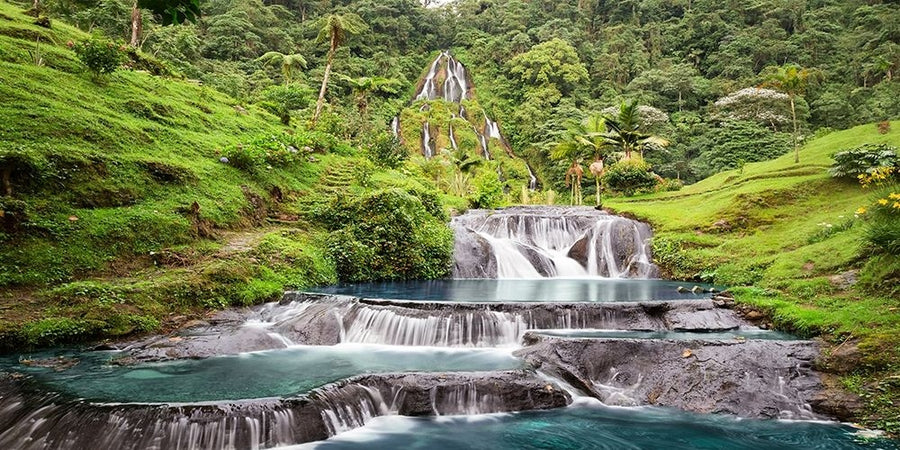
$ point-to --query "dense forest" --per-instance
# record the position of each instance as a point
(538, 65)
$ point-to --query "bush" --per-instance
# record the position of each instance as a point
(282, 100)
(264, 151)
(882, 229)
(724, 147)
(57, 330)
(101, 56)
(385, 150)
(629, 176)
(387, 235)
(488, 192)
(864, 159)
(669, 185)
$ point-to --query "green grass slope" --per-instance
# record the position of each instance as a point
(123, 218)
(782, 234)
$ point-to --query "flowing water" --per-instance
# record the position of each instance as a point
(278, 373)
(523, 290)
(535, 242)
(598, 427)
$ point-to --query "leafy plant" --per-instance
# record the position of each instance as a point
(865, 159)
(101, 56)
(629, 176)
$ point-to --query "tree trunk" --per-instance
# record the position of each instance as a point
(36, 6)
(597, 183)
(137, 25)
(794, 117)
(321, 102)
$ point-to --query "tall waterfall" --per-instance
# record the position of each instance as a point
(527, 242)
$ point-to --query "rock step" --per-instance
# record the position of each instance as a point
(769, 379)
(35, 420)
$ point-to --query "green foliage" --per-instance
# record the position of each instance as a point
(385, 150)
(282, 100)
(553, 64)
(263, 152)
(864, 159)
(726, 146)
(58, 330)
(173, 11)
(101, 56)
(488, 192)
(882, 230)
(387, 235)
(629, 176)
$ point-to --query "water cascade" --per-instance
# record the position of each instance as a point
(528, 242)
(395, 126)
(427, 148)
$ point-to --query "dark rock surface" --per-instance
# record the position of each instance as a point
(750, 379)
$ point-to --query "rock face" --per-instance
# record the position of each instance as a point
(525, 242)
(313, 319)
(33, 420)
(751, 379)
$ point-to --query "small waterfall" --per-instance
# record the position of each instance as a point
(427, 149)
(484, 144)
(395, 126)
(371, 325)
(533, 242)
(464, 399)
(429, 88)
(532, 179)
(453, 139)
(350, 407)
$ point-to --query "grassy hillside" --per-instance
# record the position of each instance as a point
(123, 217)
(782, 234)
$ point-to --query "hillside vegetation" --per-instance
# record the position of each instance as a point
(788, 240)
(141, 202)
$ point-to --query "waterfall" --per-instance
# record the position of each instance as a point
(527, 242)
(429, 89)
(395, 126)
(484, 144)
(532, 179)
(452, 139)
(427, 149)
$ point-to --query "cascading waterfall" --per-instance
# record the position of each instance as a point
(395, 126)
(527, 242)
(427, 149)
(453, 139)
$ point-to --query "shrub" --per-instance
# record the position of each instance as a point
(669, 185)
(387, 235)
(882, 229)
(488, 192)
(724, 147)
(57, 330)
(629, 176)
(263, 151)
(101, 56)
(385, 150)
(865, 159)
(282, 100)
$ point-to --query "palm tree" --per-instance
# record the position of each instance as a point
(363, 86)
(288, 63)
(335, 28)
(625, 131)
(581, 140)
(792, 80)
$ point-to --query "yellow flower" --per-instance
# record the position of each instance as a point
(894, 196)
(896, 205)
(882, 201)
(861, 210)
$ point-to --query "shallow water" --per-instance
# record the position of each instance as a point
(276, 373)
(536, 290)
(598, 427)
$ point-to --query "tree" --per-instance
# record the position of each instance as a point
(580, 141)
(288, 63)
(763, 106)
(363, 86)
(793, 81)
(335, 28)
(625, 131)
(172, 12)
(553, 63)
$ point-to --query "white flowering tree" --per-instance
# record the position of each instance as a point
(764, 106)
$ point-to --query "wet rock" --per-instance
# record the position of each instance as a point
(835, 401)
(844, 280)
(749, 379)
(58, 364)
(473, 256)
(29, 415)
